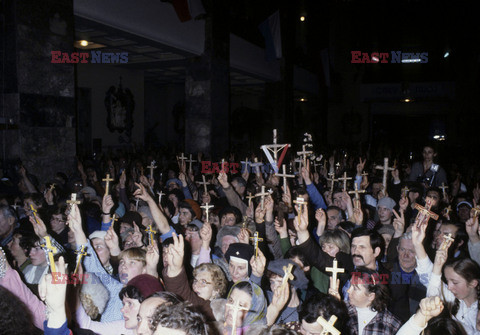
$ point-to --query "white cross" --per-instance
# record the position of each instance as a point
(334, 270)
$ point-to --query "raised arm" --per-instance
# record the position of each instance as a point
(160, 219)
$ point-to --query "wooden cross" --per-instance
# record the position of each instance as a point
(204, 183)
(181, 159)
(250, 197)
(151, 233)
(284, 175)
(334, 270)
(34, 212)
(405, 191)
(255, 240)
(385, 168)
(447, 210)
(356, 202)
(262, 195)
(152, 167)
(49, 250)
(275, 149)
(444, 187)
(332, 180)
(73, 200)
(447, 238)
(190, 161)
(52, 187)
(207, 207)
(475, 211)
(424, 213)
(246, 163)
(160, 194)
(236, 308)
(327, 326)
(287, 275)
(107, 183)
(80, 253)
(114, 219)
(301, 202)
(304, 154)
(344, 179)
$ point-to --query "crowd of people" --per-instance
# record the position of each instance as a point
(152, 244)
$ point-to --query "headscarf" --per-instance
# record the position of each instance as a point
(257, 314)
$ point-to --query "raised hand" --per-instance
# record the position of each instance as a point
(260, 214)
(152, 257)
(334, 292)
(206, 235)
(287, 197)
(111, 240)
(440, 259)
(398, 223)
(137, 235)
(321, 218)
(472, 229)
(403, 204)
(361, 166)
(281, 227)
(358, 216)
(243, 236)
(429, 307)
(141, 193)
(38, 226)
(107, 203)
(175, 255)
(258, 264)
(279, 300)
(223, 179)
(53, 292)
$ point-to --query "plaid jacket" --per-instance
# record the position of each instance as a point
(384, 323)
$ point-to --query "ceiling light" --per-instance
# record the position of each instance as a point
(83, 43)
(407, 100)
(302, 18)
(413, 60)
(446, 54)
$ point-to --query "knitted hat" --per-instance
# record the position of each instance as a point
(300, 281)
(226, 231)
(197, 211)
(386, 229)
(146, 284)
(240, 251)
(197, 223)
(464, 203)
(387, 203)
(96, 291)
(98, 234)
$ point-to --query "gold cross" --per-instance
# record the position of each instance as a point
(34, 212)
(49, 249)
(475, 211)
(150, 233)
(107, 183)
(301, 202)
(405, 191)
(73, 200)
(328, 325)
(334, 270)
(255, 240)
(444, 187)
(80, 253)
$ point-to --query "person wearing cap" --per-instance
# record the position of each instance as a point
(132, 295)
(175, 183)
(189, 210)
(297, 291)
(385, 211)
(238, 258)
(463, 210)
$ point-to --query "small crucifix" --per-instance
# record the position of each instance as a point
(207, 207)
(287, 275)
(356, 202)
(52, 187)
(385, 168)
(190, 161)
(405, 191)
(444, 187)
(152, 167)
(344, 179)
(236, 308)
(424, 213)
(255, 240)
(334, 270)
(284, 175)
(447, 240)
(107, 183)
(80, 253)
(475, 211)
(204, 183)
(49, 251)
(247, 163)
(114, 219)
(160, 194)
(301, 202)
(328, 326)
(151, 233)
(250, 197)
(34, 212)
(304, 154)
(73, 200)
(446, 211)
(262, 195)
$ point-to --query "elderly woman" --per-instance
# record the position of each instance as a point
(209, 280)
